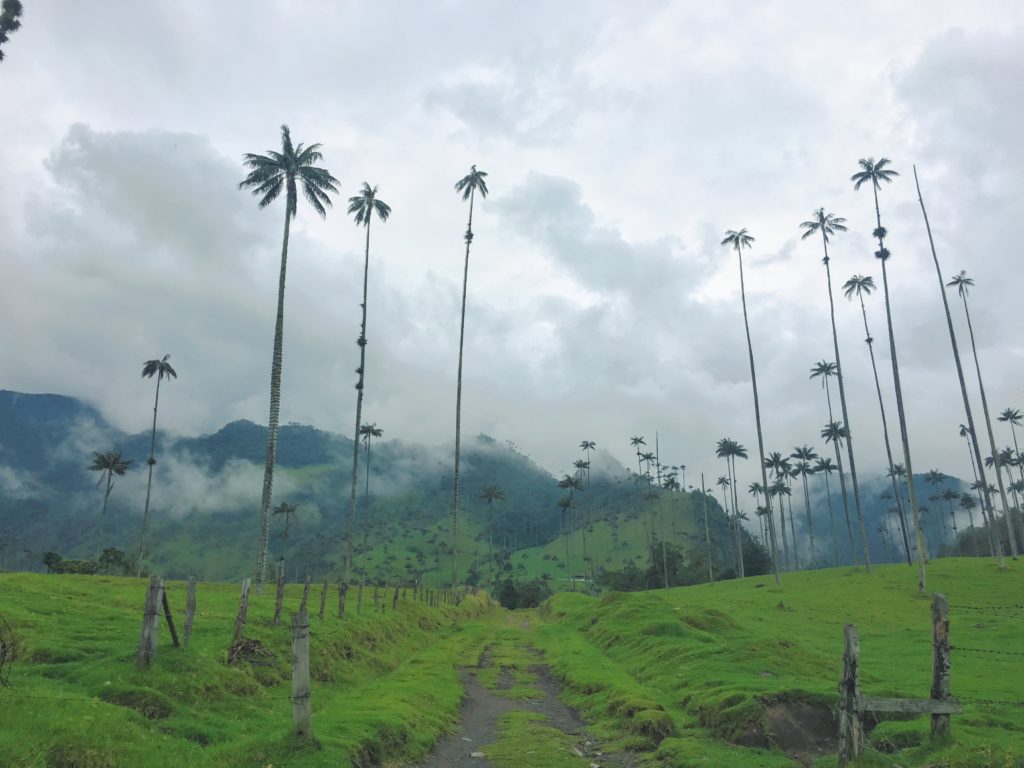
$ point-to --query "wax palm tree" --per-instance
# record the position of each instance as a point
(987, 507)
(367, 432)
(491, 494)
(963, 284)
(161, 369)
(949, 496)
(824, 466)
(730, 450)
(875, 173)
(287, 511)
(1014, 418)
(968, 504)
(363, 207)
(587, 446)
(582, 467)
(934, 478)
(270, 174)
(803, 468)
(834, 432)
(827, 225)
(861, 286)
(738, 240)
(468, 186)
(776, 462)
(10, 11)
(756, 490)
(110, 465)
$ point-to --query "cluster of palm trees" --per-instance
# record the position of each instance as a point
(839, 432)
(287, 171)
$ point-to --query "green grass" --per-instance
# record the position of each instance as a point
(713, 657)
(525, 742)
(384, 686)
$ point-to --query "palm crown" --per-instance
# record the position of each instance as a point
(833, 432)
(961, 282)
(286, 170)
(109, 463)
(873, 172)
(366, 203)
(159, 368)
(738, 239)
(1011, 415)
(826, 223)
(472, 182)
(824, 369)
(859, 285)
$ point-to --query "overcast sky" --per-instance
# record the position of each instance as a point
(621, 141)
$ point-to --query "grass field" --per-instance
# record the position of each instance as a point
(690, 673)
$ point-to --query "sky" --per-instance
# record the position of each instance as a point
(621, 141)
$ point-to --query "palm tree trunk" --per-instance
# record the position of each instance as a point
(842, 480)
(885, 433)
(991, 439)
(707, 530)
(149, 482)
(458, 398)
(741, 573)
(103, 515)
(266, 500)
(757, 421)
(810, 523)
(366, 497)
(846, 417)
(901, 413)
(994, 542)
(792, 523)
(361, 341)
(832, 520)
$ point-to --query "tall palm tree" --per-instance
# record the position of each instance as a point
(738, 240)
(978, 487)
(861, 286)
(828, 224)
(362, 207)
(756, 490)
(876, 173)
(824, 370)
(109, 464)
(803, 468)
(729, 450)
(963, 284)
(1014, 418)
(987, 507)
(776, 462)
(491, 494)
(288, 511)
(269, 175)
(967, 503)
(834, 432)
(948, 496)
(824, 466)
(468, 186)
(367, 432)
(569, 483)
(159, 368)
(582, 467)
(10, 11)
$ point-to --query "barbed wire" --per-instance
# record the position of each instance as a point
(985, 650)
(1011, 607)
(996, 702)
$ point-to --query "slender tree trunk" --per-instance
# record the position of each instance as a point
(757, 420)
(885, 433)
(792, 524)
(981, 502)
(149, 482)
(842, 480)
(458, 398)
(832, 520)
(899, 407)
(103, 515)
(707, 530)
(366, 498)
(361, 341)
(810, 523)
(846, 416)
(994, 541)
(992, 439)
(731, 463)
(266, 501)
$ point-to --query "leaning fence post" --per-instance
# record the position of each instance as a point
(323, 601)
(301, 716)
(169, 617)
(342, 591)
(190, 608)
(243, 609)
(851, 734)
(940, 660)
(150, 623)
(279, 595)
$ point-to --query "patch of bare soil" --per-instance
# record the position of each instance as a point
(802, 730)
(482, 709)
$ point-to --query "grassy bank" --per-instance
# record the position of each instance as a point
(718, 674)
(383, 685)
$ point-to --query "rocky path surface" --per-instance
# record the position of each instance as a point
(479, 723)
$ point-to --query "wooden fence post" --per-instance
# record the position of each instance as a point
(323, 601)
(305, 595)
(170, 618)
(342, 591)
(301, 714)
(376, 598)
(851, 733)
(243, 609)
(190, 608)
(394, 600)
(359, 597)
(940, 660)
(279, 596)
(150, 623)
